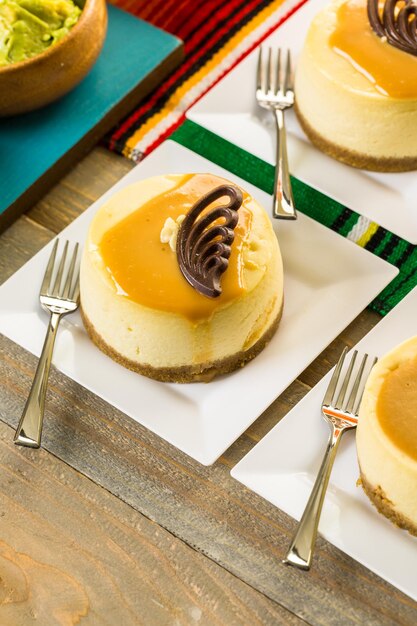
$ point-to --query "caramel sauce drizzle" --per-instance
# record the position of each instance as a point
(397, 24)
(204, 242)
(397, 406)
(391, 71)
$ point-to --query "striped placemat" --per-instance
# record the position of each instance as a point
(217, 34)
(313, 203)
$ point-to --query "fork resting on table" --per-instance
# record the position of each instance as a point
(59, 297)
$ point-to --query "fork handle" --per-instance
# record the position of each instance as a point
(301, 549)
(29, 430)
(283, 207)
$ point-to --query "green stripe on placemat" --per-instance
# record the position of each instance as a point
(313, 203)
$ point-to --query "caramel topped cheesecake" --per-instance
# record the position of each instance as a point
(387, 436)
(356, 83)
(181, 277)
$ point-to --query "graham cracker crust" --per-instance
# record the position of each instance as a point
(353, 158)
(202, 372)
(385, 506)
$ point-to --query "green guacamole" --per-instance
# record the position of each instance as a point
(28, 27)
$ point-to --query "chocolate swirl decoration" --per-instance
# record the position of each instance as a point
(397, 24)
(204, 242)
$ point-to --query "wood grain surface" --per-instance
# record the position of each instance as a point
(71, 553)
(171, 509)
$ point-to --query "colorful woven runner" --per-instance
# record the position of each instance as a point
(217, 34)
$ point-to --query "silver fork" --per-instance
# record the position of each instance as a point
(275, 91)
(341, 413)
(59, 297)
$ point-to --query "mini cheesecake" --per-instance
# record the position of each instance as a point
(387, 436)
(139, 308)
(356, 94)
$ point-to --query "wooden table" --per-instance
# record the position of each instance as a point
(109, 525)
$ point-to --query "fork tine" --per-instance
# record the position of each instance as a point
(259, 72)
(46, 283)
(346, 380)
(359, 400)
(269, 73)
(353, 394)
(288, 74)
(68, 281)
(55, 290)
(278, 71)
(274, 72)
(334, 379)
(76, 291)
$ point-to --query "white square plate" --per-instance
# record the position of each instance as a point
(283, 467)
(230, 111)
(328, 281)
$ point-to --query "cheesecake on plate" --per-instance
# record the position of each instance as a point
(386, 436)
(166, 296)
(356, 85)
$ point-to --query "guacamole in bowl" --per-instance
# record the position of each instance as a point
(29, 27)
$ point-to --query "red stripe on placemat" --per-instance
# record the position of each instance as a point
(159, 18)
(182, 25)
(198, 18)
(233, 10)
(149, 10)
(142, 9)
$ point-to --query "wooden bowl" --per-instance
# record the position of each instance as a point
(32, 83)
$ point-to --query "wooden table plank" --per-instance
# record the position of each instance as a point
(19, 243)
(204, 507)
(71, 551)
